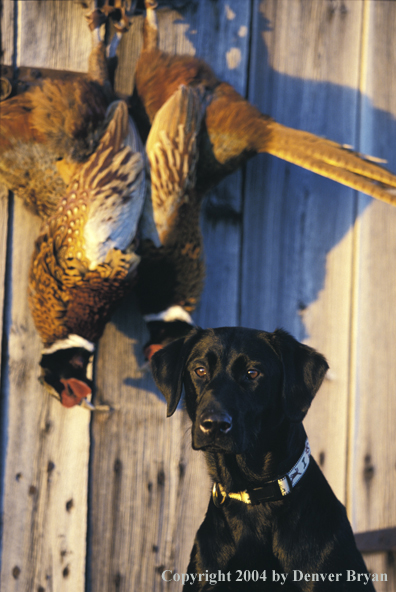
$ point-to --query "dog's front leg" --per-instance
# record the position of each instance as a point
(202, 579)
(213, 548)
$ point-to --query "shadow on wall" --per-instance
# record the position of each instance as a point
(286, 220)
(291, 218)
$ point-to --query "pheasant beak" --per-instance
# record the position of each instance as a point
(75, 393)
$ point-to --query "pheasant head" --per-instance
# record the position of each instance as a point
(65, 372)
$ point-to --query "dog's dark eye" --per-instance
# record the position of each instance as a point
(252, 373)
(201, 372)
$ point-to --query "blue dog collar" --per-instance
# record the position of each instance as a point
(271, 491)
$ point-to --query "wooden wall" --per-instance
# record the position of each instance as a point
(106, 502)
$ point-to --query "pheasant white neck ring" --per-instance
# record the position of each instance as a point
(72, 340)
(173, 313)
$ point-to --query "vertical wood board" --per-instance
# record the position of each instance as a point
(138, 468)
(375, 291)
(372, 499)
(47, 447)
(53, 34)
(45, 487)
(297, 241)
(227, 52)
(3, 255)
(7, 8)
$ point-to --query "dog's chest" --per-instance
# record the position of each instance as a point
(252, 564)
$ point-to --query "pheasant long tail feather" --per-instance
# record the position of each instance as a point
(333, 161)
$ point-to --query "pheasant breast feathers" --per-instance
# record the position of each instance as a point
(80, 266)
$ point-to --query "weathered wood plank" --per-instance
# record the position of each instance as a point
(373, 541)
(7, 48)
(227, 51)
(53, 34)
(298, 250)
(47, 447)
(157, 490)
(45, 486)
(7, 16)
(139, 469)
(373, 441)
(3, 254)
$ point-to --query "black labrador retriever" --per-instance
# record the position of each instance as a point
(273, 522)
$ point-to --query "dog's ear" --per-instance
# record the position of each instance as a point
(167, 366)
(303, 372)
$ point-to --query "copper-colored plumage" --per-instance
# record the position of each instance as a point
(235, 130)
(46, 132)
(173, 155)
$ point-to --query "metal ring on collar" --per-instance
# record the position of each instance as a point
(218, 496)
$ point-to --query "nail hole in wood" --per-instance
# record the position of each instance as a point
(369, 469)
(117, 580)
(182, 470)
(160, 478)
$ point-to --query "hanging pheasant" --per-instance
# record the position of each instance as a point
(84, 261)
(170, 278)
(234, 130)
(64, 151)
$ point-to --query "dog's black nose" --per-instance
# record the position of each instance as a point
(212, 423)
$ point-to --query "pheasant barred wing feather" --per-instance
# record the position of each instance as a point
(116, 178)
(171, 276)
(173, 155)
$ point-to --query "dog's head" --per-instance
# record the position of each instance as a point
(238, 382)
